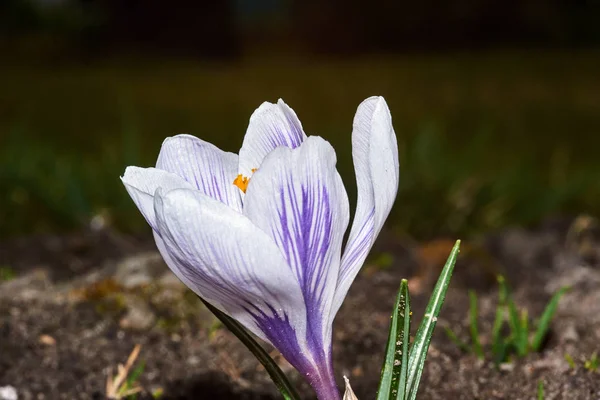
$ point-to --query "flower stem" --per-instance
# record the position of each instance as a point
(324, 384)
(327, 390)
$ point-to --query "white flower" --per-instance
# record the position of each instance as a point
(260, 235)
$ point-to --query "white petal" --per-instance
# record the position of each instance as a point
(141, 184)
(232, 264)
(375, 155)
(298, 198)
(271, 126)
(205, 166)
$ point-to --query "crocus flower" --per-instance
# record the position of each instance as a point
(260, 235)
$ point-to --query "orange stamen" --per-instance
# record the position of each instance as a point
(242, 181)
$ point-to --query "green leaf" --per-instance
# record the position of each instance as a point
(503, 292)
(418, 353)
(132, 379)
(570, 361)
(452, 336)
(514, 320)
(593, 363)
(474, 326)
(6, 273)
(540, 392)
(157, 393)
(523, 344)
(392, 385)
(501, 349)
(135, 374)
(403, 378)
(498, 344)
(546, 318)
(276, 374)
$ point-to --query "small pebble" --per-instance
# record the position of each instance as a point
(569, 334)
(193, 360)
(357, 371)
(8, 393)
(506, 367)
(47, 340)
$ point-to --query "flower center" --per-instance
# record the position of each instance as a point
(242, 181)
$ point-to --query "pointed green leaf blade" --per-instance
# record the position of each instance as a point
(402, 392)
(276, 374)
(474, 325)
(498, 345)
(135, 375)
(418, 352)
(393, 370)
(514, 319)
(546, 318)
(454, 338)
(524, 339)
(540, 392)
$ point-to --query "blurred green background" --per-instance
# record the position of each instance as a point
(496, 105)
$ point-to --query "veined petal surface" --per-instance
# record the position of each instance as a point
(375, 156)
(297, 197)
(267, 250)
(142, 183)
(235, 266)
(271, 126)
(205, 166)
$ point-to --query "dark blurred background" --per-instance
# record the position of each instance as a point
(496, 104)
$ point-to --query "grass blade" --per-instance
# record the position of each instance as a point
(570, 361)
(276, 374)
(514, 319)
(540, 392)
(524, 330)
(593, 363)
(135, 375)
(498, 345)
(474, 326)
(452, 336)
(546, 318)
(501, 349)
(418, 352)
(392, 385)
(403, 378)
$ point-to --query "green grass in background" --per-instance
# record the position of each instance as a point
(485, 140)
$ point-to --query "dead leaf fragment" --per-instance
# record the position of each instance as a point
(349, 394)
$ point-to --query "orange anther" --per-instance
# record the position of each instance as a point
(241, 182)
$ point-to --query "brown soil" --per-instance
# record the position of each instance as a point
(72, 314)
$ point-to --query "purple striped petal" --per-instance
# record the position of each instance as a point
(208, 168)
(297, 197)
(375, 155)
(142, 183)
(228, 261)
(275, 328)
(271, 126)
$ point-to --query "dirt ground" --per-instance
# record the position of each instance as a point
(80, 303)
